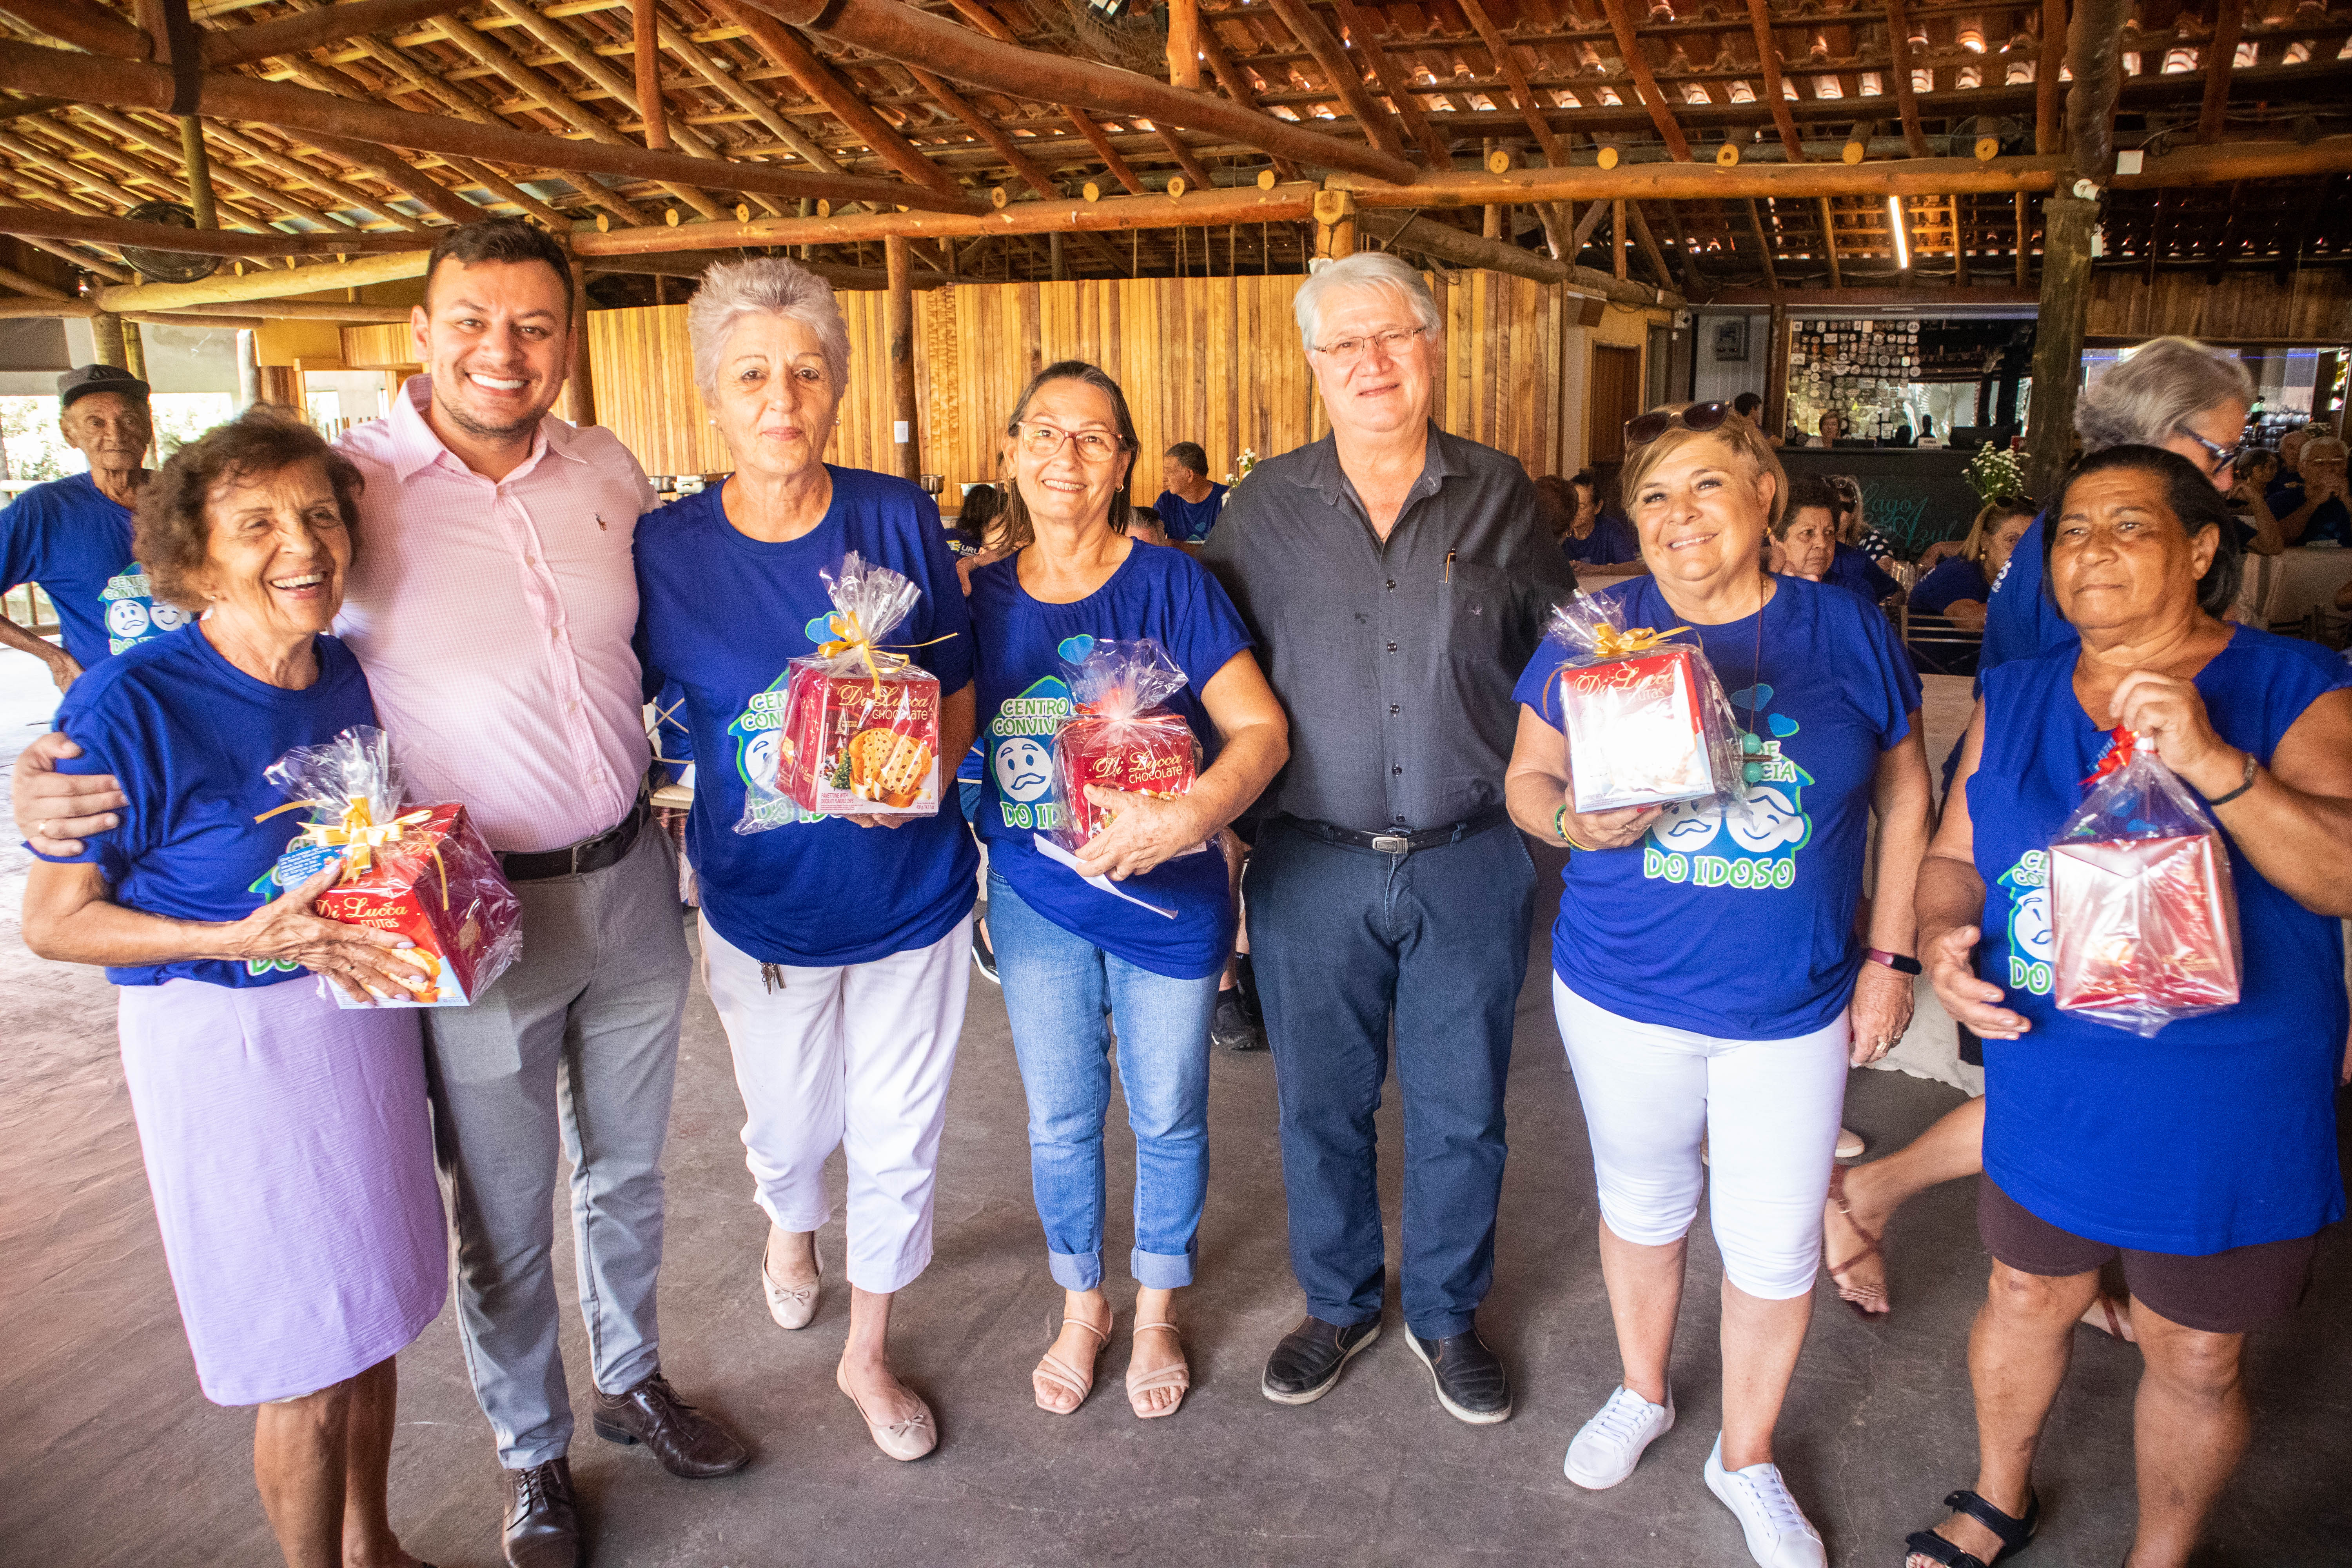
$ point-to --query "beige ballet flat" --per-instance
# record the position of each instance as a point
(910, 1437)
(1060, 1374)
(1178, 1377)
(792, 1306)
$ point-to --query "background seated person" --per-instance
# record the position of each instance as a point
(1189, 503)
(1959, 588)
(2309, 503)
(1598, 536)
(1804, 541)
(1833, 430)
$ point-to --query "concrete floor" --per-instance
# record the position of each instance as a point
(110, 1455)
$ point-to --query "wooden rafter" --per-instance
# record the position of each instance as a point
(2219, 59)
(1363, 31)
(1907, 99)
(1340, 71)
(1644, 83)
(1829, 242)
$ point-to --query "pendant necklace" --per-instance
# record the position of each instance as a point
(1751, 745)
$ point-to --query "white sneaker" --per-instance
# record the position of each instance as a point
(1778, 1533)
(1610, 1444)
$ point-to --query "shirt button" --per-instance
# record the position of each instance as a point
(1393, 648)
(1392, 584)
(1395, 709)
(1395, 770)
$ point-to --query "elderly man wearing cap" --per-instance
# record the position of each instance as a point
(72, 535)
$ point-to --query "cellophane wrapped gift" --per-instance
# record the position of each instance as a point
(861, 723)
(2143, 918)
(1646, 720)
(422, 873)
(1121, 735)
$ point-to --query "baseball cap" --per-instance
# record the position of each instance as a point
(82, 380)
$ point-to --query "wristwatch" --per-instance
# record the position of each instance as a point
(1894, 960)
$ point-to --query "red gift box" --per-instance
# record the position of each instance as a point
(439, 886)
(1151, 753)
(2143, 926)
(864, 745)
(1636, 729)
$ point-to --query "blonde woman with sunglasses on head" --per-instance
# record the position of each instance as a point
(1706, 976)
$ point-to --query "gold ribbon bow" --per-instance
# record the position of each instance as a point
(359, 835)
(848, 637)
(1610, 643)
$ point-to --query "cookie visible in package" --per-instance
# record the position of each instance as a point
(1121, 736)
(2143, 915)
(1646, 720)
(859, 727)
(422, 873)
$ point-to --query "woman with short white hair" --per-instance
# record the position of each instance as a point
(834, 948)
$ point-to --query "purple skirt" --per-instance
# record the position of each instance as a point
(290, 1154)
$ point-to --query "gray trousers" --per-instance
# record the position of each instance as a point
(576, 1043)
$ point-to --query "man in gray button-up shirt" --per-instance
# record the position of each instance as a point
(1397, 581)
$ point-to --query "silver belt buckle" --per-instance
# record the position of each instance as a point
(1392, 844)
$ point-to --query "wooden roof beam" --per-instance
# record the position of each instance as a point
(1023, 167)
(35, 222)
(223, 173)
(899, 32)
(1763, 243)
(315, 29)
(504, 190)
(2049, 90)
(1236, 85)
(1119, 168)
(334, 190)
(65, 168)
(55, 73)
(1507, 64)
(1649, 243)
(1404, 231)
(740, 93)
(1184, 156)
(1898, 55)
(1339, 70)
(1394, 81)
(86, 26)
(388, 167)
(2220, 56)
(1829, 243)
(1629, 47)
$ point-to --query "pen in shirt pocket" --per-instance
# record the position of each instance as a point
(1449, 566)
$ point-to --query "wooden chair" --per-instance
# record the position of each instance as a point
(1940, 645)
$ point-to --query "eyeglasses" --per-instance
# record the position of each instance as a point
(1348, 351)
(1042, 441)
(1644, 428)
(2224, 457)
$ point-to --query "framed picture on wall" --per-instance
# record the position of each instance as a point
(1731, 340)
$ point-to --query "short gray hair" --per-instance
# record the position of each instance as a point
(762, 286)
(2164, 386)
(1365, 270)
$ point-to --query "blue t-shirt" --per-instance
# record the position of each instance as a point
(1163, 595)
(187, 734)
(2220, 1131)
(69, 537)
(1952, 580)
(2021, 620)
(1744, 928)
(720, 615)
(1189, 522)
(1852, 570)
(2329, 519)
(1612, 540)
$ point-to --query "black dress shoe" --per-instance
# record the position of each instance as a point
(1231, 1028)
(687, 1442)
(541, 1529)
(1470, 1382)
(1310, 1358)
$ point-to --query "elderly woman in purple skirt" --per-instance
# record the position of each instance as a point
(286, 1139)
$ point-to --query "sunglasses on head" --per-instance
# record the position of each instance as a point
(1644, 428)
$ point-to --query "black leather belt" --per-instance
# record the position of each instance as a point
(1401, 844)
(609, 848)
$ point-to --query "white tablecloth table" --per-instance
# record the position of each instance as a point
(2298, 581)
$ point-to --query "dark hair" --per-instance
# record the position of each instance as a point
(1019, 532)
(982, 505)
(1745, 403)
(1804, 491)
(2194, 501)
(1192, 455)
(172, 533)
(498, 239)
(1555, 504)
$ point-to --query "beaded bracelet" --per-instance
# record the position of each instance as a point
(1559, 829)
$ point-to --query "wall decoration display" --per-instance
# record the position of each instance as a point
(1731, 340)
(1857, 370)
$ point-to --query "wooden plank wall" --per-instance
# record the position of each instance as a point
(2314, 307)
(1213, 360)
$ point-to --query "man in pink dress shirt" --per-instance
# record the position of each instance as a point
(492, 607)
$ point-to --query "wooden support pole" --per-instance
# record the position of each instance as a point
(898, 313)
(433, 195)
(1829, 242)
(1649, 243)
(580, 384)
(2049, 124)
(1776, 370)
(192, 158)
(1763, 244)
(1666, 181)
(223, 287)
(1617, 217)
(2067, 226)
(1335, 226)
(134, 348)
(2024, 246)
(1507, 66)
(2219, 58)
(900, 32)
(2095, 58)
(106, 338)
(25, 67)
(645, 25)
(1184, 44)
(1229, 76)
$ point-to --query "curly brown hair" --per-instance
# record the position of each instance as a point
(172, 534)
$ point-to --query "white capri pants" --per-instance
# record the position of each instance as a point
(855, 1058)
(1767, 1110)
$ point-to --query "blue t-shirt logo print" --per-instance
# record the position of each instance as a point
(1020, 746)
(2030, 942)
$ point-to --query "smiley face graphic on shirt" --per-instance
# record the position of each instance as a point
(1750, 843)
(133, 615)
(2030, 942)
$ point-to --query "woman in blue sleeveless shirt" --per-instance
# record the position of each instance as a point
(1706, 976)
(2204, 1157)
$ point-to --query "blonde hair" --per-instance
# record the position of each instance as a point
(1745, 441)
(1978, 544)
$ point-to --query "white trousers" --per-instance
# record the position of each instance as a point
(855, 1058)
(1767, 1111)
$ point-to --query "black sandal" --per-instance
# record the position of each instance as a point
(2015, 1534)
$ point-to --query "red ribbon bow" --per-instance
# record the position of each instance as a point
(2121, 744)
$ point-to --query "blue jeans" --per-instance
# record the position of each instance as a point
(1056, 987)
(1343, 939)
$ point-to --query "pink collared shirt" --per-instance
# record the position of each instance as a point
(493, 619)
